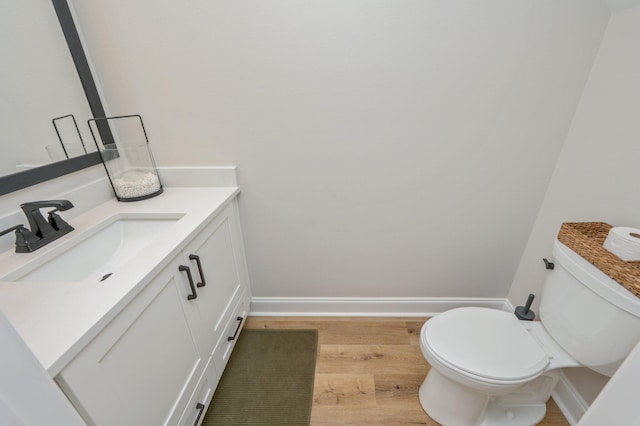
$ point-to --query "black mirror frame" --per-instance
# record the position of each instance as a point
(21, 180)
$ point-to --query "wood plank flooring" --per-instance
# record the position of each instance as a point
(369, 370)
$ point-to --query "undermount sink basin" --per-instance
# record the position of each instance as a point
(97, 253)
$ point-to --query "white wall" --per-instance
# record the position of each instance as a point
(385, 148)
(597, 177)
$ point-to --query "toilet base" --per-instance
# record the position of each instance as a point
(452, 404)
(497, 414)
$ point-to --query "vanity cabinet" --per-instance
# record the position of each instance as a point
(159, 361)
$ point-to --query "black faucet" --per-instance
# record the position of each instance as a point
(42, 231)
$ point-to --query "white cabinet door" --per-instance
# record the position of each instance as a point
(144, 366)
(214, 259)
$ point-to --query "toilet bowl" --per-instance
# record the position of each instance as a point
(482, 357)
(489, 368)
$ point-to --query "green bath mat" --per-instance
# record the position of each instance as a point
(268, 380)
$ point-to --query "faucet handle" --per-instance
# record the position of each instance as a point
(13, 228)
(57, 222)
(24, 237)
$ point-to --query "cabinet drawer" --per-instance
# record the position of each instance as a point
(228, 340)
(199, 402)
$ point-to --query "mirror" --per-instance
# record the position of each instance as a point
(46, 86)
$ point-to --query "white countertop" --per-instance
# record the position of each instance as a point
(57, 319)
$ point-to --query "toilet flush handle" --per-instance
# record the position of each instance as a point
(524, 312)
(548, 265)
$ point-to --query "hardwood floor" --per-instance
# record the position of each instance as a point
(369, 370)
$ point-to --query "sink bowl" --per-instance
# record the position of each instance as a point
(97, 253)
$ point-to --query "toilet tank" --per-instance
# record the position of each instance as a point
(591, 316)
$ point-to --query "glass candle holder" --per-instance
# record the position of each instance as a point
(124, 149)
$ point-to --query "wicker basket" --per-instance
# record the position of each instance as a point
(586, 239)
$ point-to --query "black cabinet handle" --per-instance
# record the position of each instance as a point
(199, 406)
(197, 259)
(230, 338)
(186, 269)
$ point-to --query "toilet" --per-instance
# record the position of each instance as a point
(489, 368)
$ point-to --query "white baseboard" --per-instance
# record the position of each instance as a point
(572, 405)
(365, 306)
(508, 306)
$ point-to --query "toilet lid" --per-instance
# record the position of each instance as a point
(485, 342)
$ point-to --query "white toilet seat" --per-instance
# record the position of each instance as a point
(483, 348)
